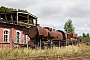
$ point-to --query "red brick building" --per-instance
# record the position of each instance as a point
(12, 25)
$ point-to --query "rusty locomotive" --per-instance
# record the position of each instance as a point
(47, 37)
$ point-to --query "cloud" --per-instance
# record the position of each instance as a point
(56, 12)
(82, 30)
(86, 25)
(79, 11)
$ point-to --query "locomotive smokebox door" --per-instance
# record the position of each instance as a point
(32, 32)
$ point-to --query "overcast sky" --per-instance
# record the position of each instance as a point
(54, 13)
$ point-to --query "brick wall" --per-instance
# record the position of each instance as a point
(12, 36)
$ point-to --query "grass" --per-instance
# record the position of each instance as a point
(82, 49)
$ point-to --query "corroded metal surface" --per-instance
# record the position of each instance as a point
(54, 34)
(32, 32)
(46, 33)
(60, 36)
(74, 35)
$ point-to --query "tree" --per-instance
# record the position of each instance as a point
(88, 35)
(84, 35)
(69, 26)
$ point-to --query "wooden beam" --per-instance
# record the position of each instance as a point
(0, 16)
(31, 22)
(28, 18)
(40, 43)
(17, 17)
(27, 44)
(51, 44)
(11, 18)
(59, 44)
(22, 16)
(66, 42)
(5, 16)
(36, 21)
(11, 40)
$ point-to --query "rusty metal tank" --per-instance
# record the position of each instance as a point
(50, 29)
(36, 32)
(69, 35)
(74, 35)
(60, 36)
(46, 33)
(43, 32)
(53, 34)
(32, 32)
(57, 35)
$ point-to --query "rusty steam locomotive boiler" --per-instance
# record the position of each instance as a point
(37, 32)
(57, 35)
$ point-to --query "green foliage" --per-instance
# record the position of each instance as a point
(85, 37)
(20, 10)
(69, 26)
(87, 34)
(6, 9)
